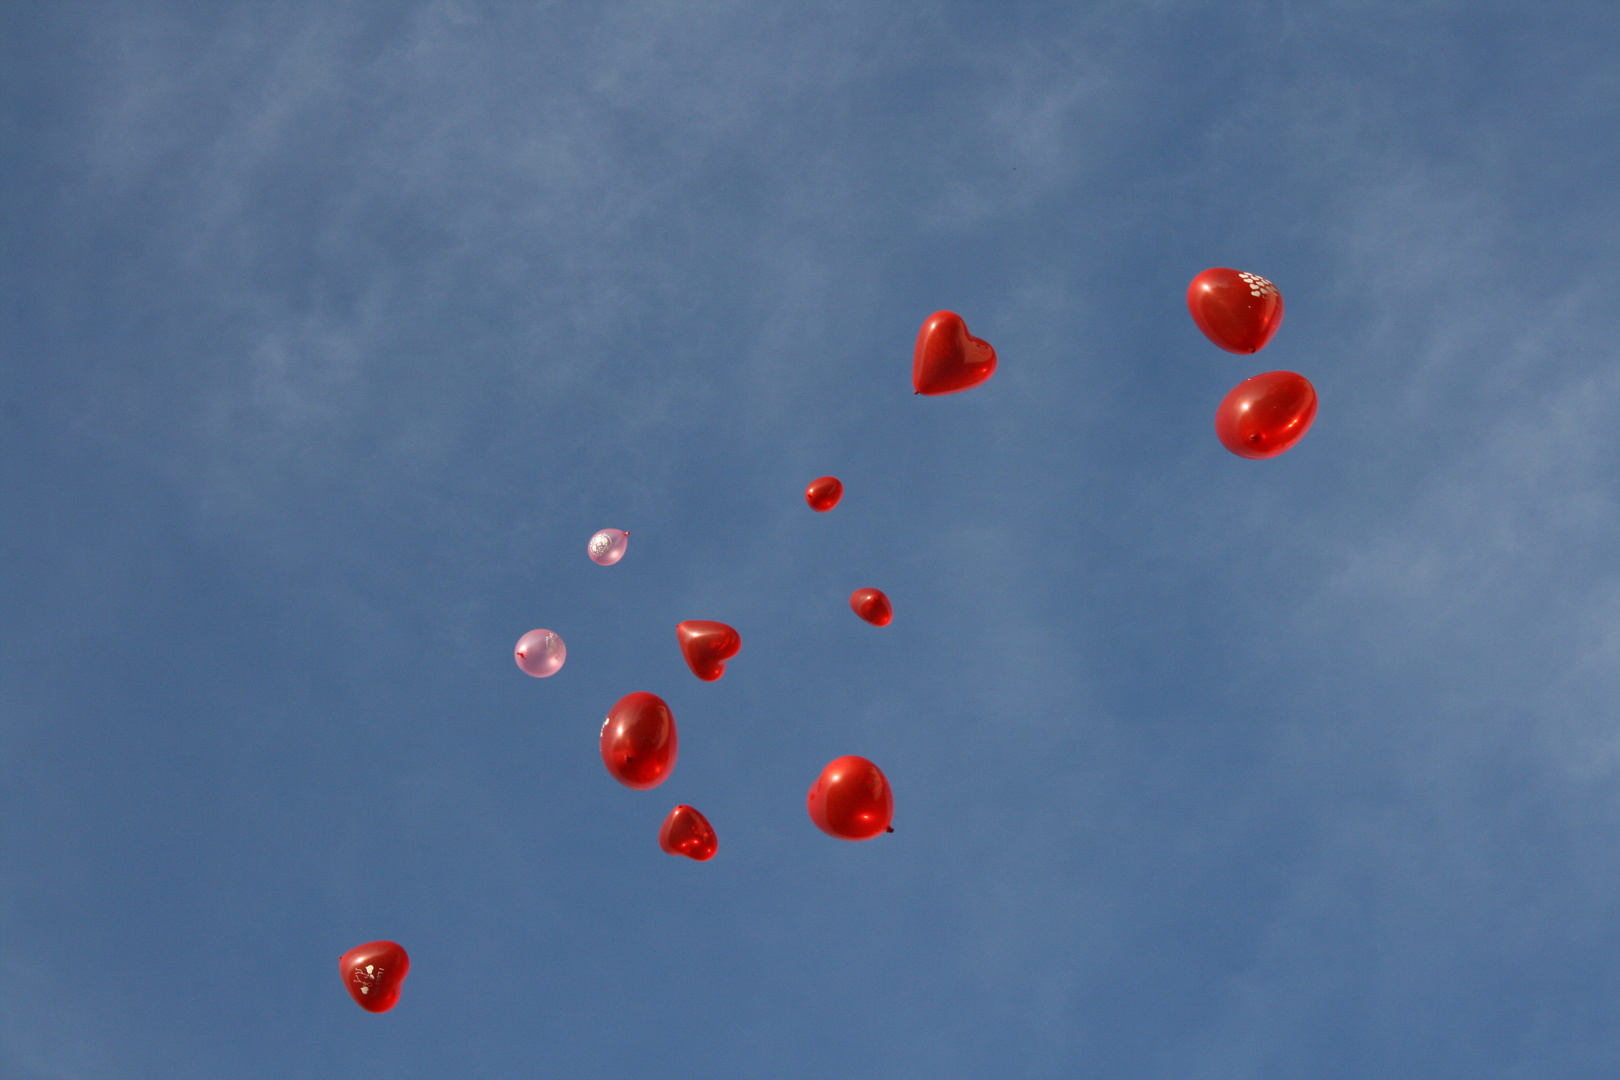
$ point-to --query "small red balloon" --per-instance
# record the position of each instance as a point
(1237, 310)
(373, 972)
(687, 832)
(1266, 415)
(872, 605)
(947, 358)
(707, 646)
(639, 742)
(851, 799)
(823, 493)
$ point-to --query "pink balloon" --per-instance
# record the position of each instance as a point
(540, 653)
(607, 547)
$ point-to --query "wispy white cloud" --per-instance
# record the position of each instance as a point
(1213, 767)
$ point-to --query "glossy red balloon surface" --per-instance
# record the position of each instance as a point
(872, 605)
(639, 743)
(948, 358)
(851, 799)
(1265, 415)
(823, 493)
(1235, 309)
(687, 832)
(373, 972)
(707, 646)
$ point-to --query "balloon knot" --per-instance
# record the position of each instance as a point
(889, 829)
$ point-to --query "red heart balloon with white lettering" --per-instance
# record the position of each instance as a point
(947, 358)
(372, 973)
(1235, 309)
(707, 646)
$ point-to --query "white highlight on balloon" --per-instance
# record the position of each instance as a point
(540, 653)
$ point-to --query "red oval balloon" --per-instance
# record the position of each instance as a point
(851, 799)
(639, 742)
(707, 646)
(372, 973)
(1237, 310)
(947, 358)
(687, 832)
(1265, 415)
(823, 493)
(872, 605)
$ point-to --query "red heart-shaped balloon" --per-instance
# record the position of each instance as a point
(823, 493)
(1264, 416)
(707, 646)
(687, 832)
(851, 799)
(1237, 310)
(872, 605)
(948, 358)
(372, 973)
(639, 742)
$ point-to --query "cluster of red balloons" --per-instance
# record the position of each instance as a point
(1266, 415)
(851, 799)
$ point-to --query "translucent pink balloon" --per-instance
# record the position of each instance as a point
(540, 653)
(607, 547)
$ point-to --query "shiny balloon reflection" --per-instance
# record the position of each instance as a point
(1266, 415)
(608, 547)
(540, 653)
(1235, 309)
(823, 493)
(373, 972)
(851, 799)
(872, 605)
(639, 741)
(687, 832)
(947, 359)
(706, 646)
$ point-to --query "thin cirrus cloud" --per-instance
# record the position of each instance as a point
(332, 336)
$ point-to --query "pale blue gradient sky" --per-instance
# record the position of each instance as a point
(328, 338)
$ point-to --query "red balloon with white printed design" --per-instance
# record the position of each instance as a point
(373, 972)
(1235, 309)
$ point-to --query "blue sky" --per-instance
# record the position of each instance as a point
(328, 338)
